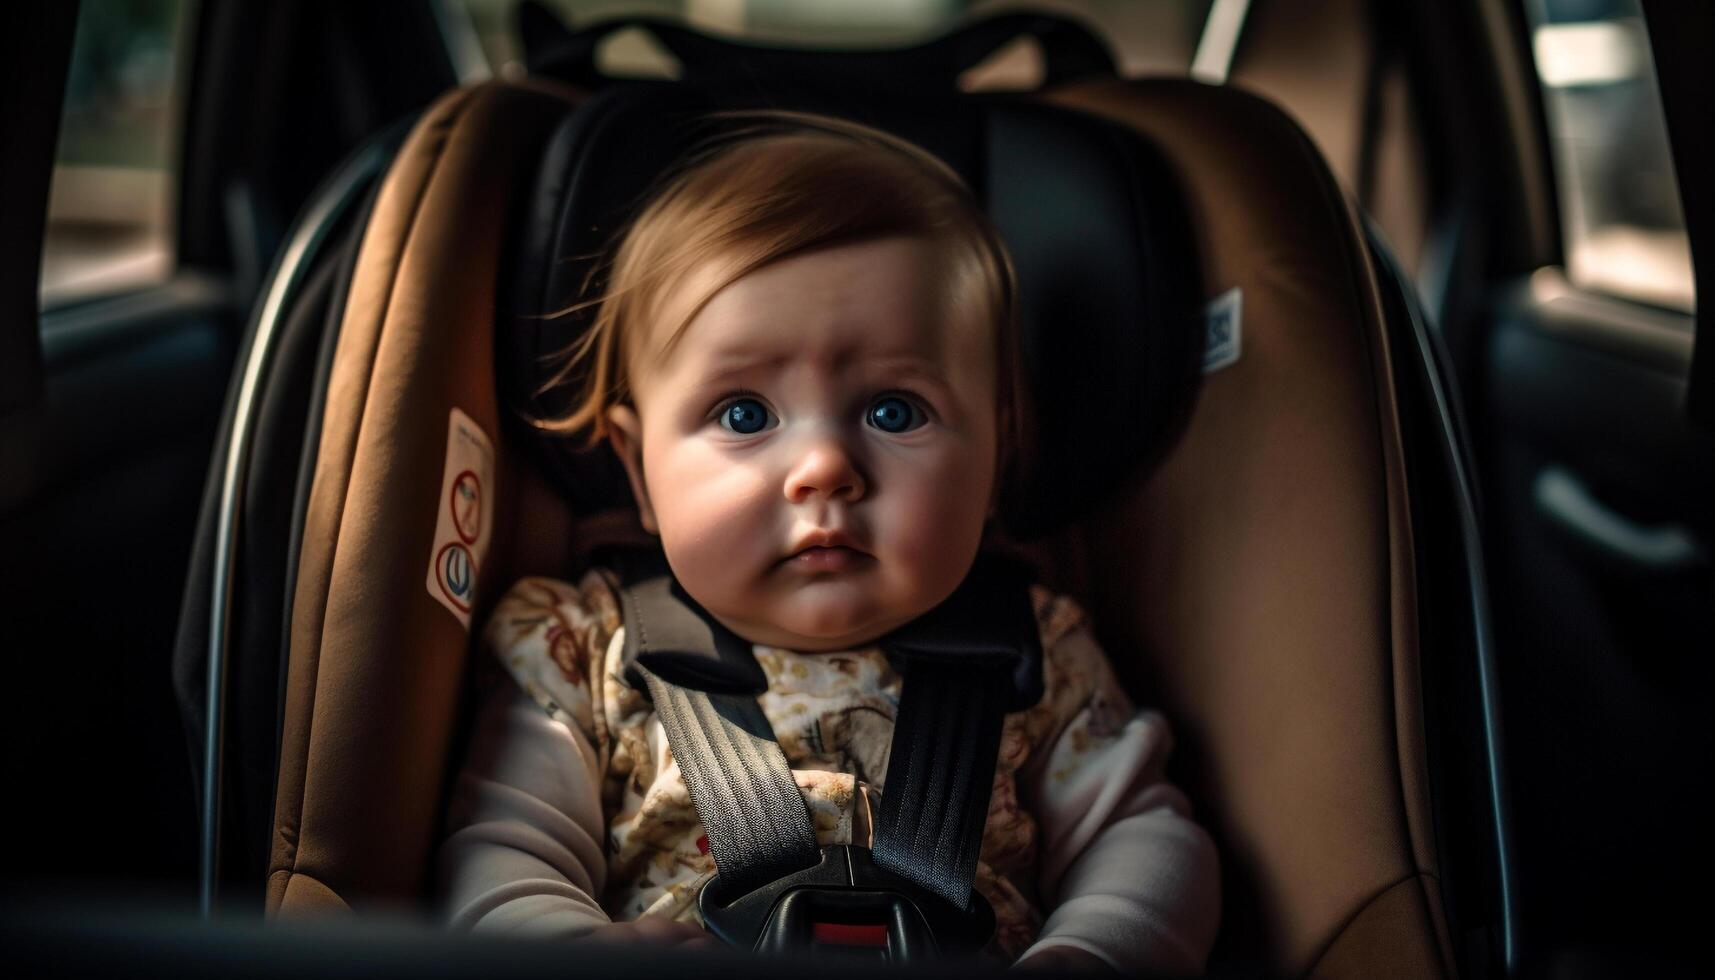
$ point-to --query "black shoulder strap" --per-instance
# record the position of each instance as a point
(704, 681)
(964, 664)
(759, 829)
(669, 635)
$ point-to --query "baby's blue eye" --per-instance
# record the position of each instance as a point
(895, 414)
(745, 417)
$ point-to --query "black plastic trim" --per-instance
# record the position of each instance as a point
(1461, 477)
(327, 208)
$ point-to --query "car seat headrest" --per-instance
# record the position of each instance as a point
(1108, 292)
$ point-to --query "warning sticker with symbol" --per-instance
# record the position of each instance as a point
(463, 528)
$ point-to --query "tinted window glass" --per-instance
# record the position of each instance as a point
(109, 207)
(1619, 203)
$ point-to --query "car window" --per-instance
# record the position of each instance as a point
(109, 221)
(1146, 37)
(1624, 231)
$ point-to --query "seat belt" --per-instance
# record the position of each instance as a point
(758, 827)
(703, 680)
(963, 666)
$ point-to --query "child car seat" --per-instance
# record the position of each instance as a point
(1281, 582)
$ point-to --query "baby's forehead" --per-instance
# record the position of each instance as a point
(888, 300)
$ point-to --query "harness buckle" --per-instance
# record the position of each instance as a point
(847, 905)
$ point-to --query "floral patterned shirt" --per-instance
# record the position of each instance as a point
(571, 810)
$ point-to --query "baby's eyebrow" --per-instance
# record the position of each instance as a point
(731, 366)
(898, 368)
(914, 367)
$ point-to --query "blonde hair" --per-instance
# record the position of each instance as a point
(770, 185)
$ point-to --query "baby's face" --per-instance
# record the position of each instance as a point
(818, 451)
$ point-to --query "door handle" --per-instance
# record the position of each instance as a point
(1663, 549)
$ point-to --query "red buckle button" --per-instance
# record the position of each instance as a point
(848, 934)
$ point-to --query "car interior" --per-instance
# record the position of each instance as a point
(1396, 498)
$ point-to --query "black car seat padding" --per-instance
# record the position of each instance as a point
(1108, 292)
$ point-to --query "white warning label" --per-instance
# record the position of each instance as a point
(1222, 337)
(466, 516)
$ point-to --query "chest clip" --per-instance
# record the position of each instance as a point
(847, 905)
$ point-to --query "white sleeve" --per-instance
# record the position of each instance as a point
(524, 855)
(1137, 881)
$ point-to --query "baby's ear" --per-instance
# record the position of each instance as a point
(625, 435)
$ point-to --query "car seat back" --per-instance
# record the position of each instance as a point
(1261, 584)
(1268, 566)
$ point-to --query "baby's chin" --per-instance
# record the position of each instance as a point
(817, 625)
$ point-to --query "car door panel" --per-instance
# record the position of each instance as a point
(1602, 503)
(101, 512)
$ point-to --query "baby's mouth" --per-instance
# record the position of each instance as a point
(817, 558)
(826, 550)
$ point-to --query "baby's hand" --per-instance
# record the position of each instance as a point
(1064, 960)
(654, 930)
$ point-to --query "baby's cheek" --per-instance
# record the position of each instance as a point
(709, 519)
(940, 533)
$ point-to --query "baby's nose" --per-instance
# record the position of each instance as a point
(826, 468)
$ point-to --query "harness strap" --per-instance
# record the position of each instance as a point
(669, 635)
(940, 773)
(964, 665)
(758, 827)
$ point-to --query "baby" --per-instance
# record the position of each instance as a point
(806, 361)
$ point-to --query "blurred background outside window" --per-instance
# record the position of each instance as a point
(109, 223)
(1619, 204)
(111, 204)
(1148, 36)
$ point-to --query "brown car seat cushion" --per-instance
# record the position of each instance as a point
(1258, 587)
(1265, 573)
(377, 664)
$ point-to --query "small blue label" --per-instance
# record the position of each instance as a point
(1222, 335)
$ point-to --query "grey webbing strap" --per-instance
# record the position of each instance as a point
(758, 827)
(940, 774)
